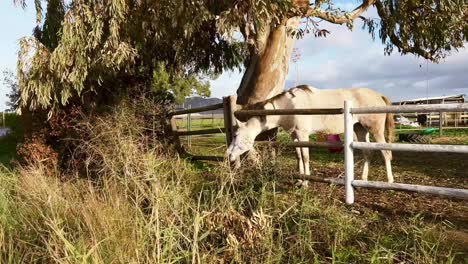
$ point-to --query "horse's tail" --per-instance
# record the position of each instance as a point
(389, 122)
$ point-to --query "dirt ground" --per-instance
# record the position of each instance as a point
(435, 169)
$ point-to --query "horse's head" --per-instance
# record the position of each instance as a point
(243, 141)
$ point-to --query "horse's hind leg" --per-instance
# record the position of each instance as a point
(387, 154)
(363, 136)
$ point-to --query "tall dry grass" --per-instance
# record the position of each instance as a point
(138, 204)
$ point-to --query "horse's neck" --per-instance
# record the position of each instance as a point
(254, 125)
(272, 121)
(257, 125)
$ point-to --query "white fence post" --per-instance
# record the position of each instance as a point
(348, 151)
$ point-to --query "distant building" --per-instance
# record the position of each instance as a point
(449, 99)
(448, 118)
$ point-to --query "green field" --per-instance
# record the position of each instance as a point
(201, 123)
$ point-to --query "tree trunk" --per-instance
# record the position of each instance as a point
(266, 72)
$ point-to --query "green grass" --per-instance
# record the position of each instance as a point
(160, 210)
(201, 123)
(146, 206)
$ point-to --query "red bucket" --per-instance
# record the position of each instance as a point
(334, 139)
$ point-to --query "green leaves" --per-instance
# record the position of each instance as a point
(178, 86)
(431, 29)
(109, 46)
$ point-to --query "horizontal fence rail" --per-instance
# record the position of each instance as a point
(263, 112)
(331, 180)
(411, 109)
(303, 144)
(411, 147)
(198, 109)
(444, 191)
(200, 132)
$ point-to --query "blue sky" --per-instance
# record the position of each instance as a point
(14, 24)
(343, 59)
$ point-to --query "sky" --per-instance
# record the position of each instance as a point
(343, 59)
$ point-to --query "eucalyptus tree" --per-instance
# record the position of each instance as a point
(108, 45)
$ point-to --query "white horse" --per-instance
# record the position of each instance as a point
(300, 127)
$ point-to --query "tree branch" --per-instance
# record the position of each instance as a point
(339, 19)
(395, 40)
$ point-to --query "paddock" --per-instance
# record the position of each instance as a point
(230, 111)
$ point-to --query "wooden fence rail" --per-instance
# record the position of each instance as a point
(411, 147)
(329, 111)
(198, 109)
(303, 144)
(411, 109)
(200, 132)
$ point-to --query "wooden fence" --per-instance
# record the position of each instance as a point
(227, 107)
(230, 113)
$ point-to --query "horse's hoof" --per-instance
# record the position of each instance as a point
(302, 184)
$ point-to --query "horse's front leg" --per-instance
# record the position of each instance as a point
(300, 164)
(305, 152)
(305, 160)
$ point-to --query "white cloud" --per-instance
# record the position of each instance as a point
(226, 84)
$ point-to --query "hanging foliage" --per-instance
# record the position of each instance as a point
(108, 45)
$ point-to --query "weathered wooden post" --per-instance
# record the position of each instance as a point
(175, 137)
(348, 151)
(233, 109)
(230, 121)
(430, 119)
(441, 122)
(227, 119)
(189, 126)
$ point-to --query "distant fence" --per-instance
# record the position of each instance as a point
(230, 113)
(188, 132)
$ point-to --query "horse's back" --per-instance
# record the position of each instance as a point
(304, 97)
